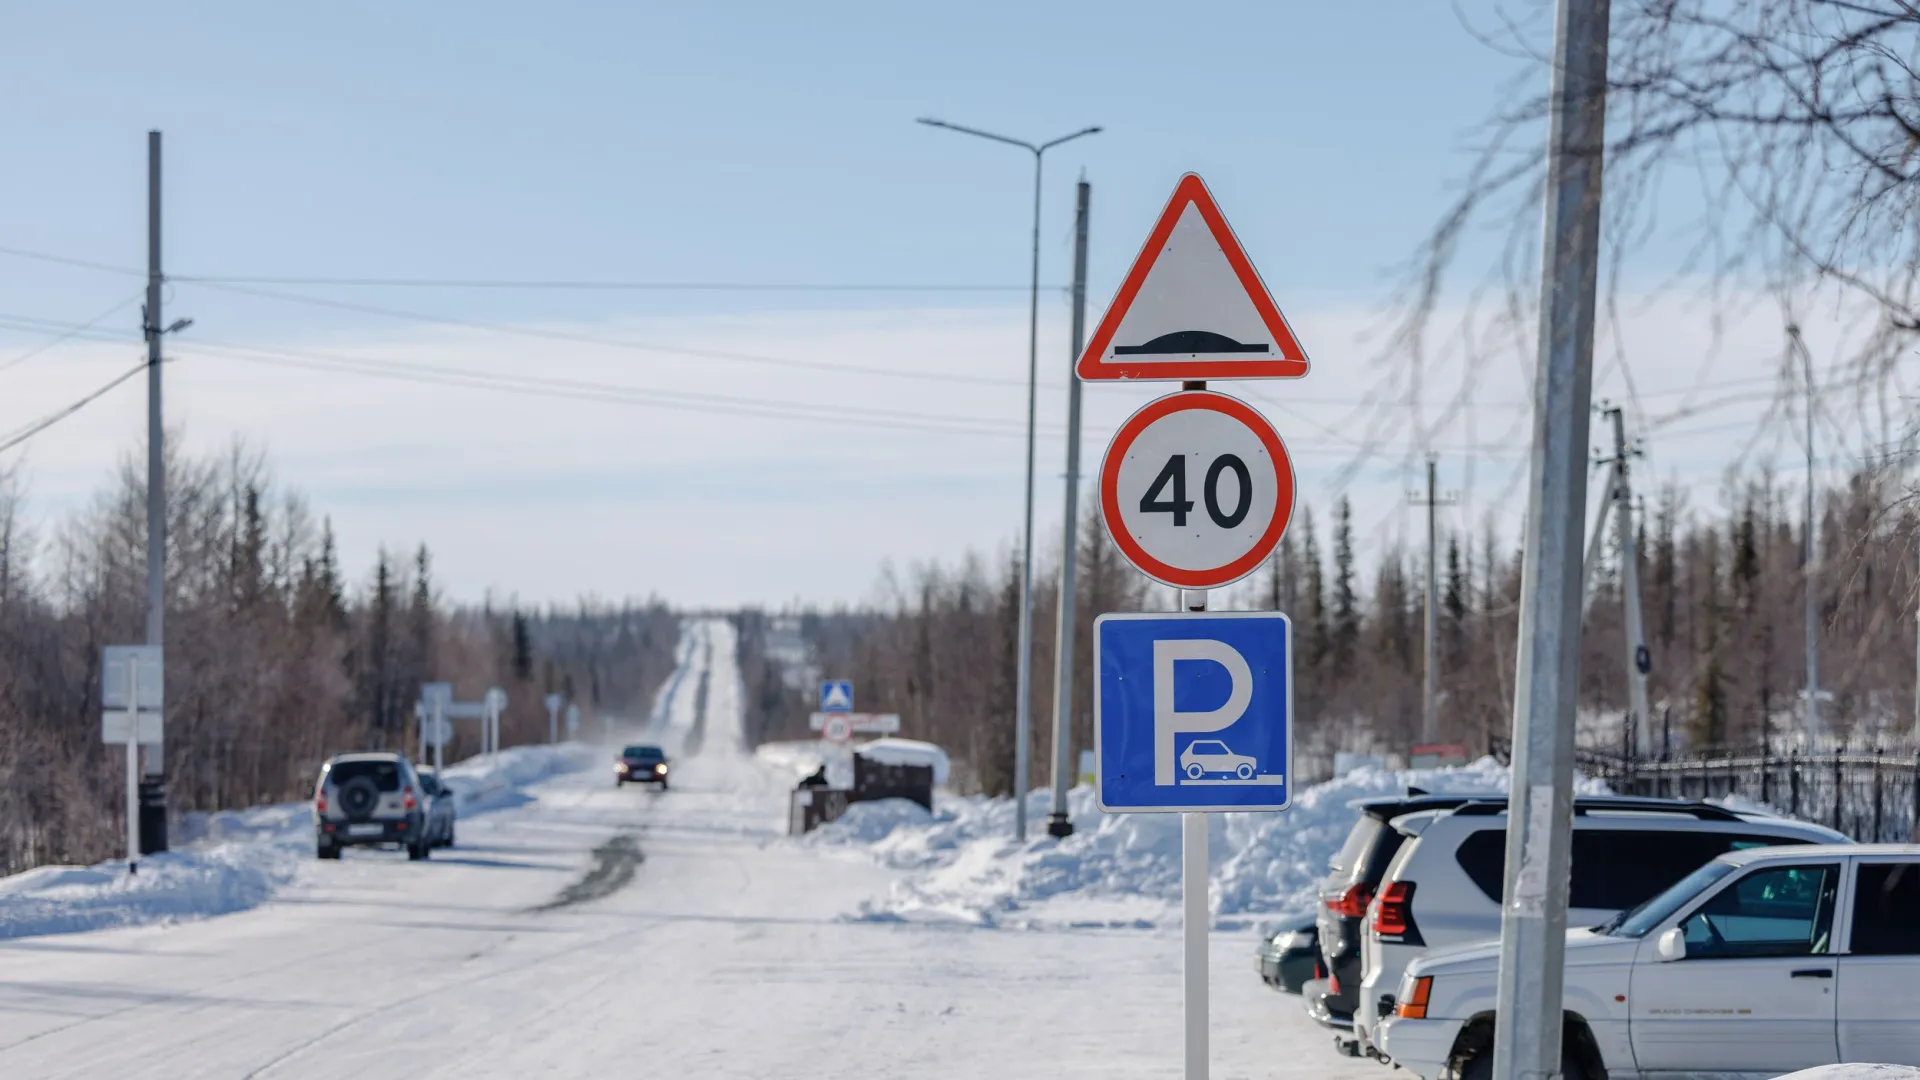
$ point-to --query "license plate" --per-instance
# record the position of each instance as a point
(365, 830)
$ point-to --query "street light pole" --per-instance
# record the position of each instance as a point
(1023, 681)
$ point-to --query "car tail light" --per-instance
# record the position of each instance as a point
(1352, 904)
(1393, 911)
(1333, 983)
(406, 798)
(320, 802)
(1415, 1006)
(1320, 971)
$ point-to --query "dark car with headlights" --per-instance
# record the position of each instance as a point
(1290, 956)
(641, 765)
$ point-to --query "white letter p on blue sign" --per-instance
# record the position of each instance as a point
(1169, 721)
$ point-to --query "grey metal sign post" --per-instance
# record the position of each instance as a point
(132, 704)
(554, 702)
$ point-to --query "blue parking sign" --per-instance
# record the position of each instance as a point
(1193, 711)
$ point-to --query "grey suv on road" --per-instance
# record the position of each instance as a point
(371, 798)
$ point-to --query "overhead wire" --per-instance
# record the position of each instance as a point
(21, 435)
(67, 334)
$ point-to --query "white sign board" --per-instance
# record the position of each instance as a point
(117, 662)
(1196, 489)
(864, 723)
(118, 727)
(573, 719)
(436, 730)
(554, 701)
(1192, 307)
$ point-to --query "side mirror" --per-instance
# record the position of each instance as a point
(1673, 945)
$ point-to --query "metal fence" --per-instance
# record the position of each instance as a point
(1869, 795)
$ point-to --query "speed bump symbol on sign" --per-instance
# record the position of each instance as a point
(1196, 489)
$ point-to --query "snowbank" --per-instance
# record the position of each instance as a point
(234, 860)
(1116, 869)
(1855, 1073)
(802, 757)
(891, 751)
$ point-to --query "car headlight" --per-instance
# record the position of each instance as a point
(1283, 941)
(660, 768)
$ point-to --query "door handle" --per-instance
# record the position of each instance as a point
(1814, 973)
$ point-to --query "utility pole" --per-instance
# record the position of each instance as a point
(1812, 571)
(153, 794)
(1058, 824)
(1430, 696)
(1533, 919)
(1023, 678)
(1639, 660)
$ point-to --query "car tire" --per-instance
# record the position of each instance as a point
(322, 850)
(1244, 772)
(449, 840)
(416, 852)
(1481, 1066)
(1195, 772)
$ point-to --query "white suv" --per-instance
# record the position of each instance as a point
(1443, 887)
(1759, 963)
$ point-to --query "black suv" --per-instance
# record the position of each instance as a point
(1354, 874)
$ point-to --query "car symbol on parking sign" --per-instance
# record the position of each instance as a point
(1193, 711)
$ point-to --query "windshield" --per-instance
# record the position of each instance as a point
(1637, 922)
(647, 752)
(384, 774)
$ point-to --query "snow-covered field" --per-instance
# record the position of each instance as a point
(584, 930)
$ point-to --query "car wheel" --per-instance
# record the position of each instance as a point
(1244, 772)
(419, 851)
(1195, 772)
(324, 850)
(449, 834)
(1480, 1067)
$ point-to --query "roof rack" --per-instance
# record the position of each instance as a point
(1583, 804)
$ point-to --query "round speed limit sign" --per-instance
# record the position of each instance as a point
(1196, 489)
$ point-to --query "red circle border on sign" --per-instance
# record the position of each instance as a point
(1181, 401)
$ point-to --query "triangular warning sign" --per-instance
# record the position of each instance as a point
(1193, 306)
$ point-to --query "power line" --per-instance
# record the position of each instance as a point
(45, 422)
(68, 334)
(619, 343)
(581, 285)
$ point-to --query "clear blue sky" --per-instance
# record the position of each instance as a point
(743, 142)
(733, 141)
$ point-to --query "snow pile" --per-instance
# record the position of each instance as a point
(1855, 1073)
(891, 751)
(212, 877)
(1117, 869)
(485, 783)
(234, 860)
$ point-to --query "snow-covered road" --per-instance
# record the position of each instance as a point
(592, 931)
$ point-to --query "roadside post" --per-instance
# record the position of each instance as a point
(554, 702)
(1193, 709)
(495, 701)
(131, 704)
(436, 725)
(573, 721)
